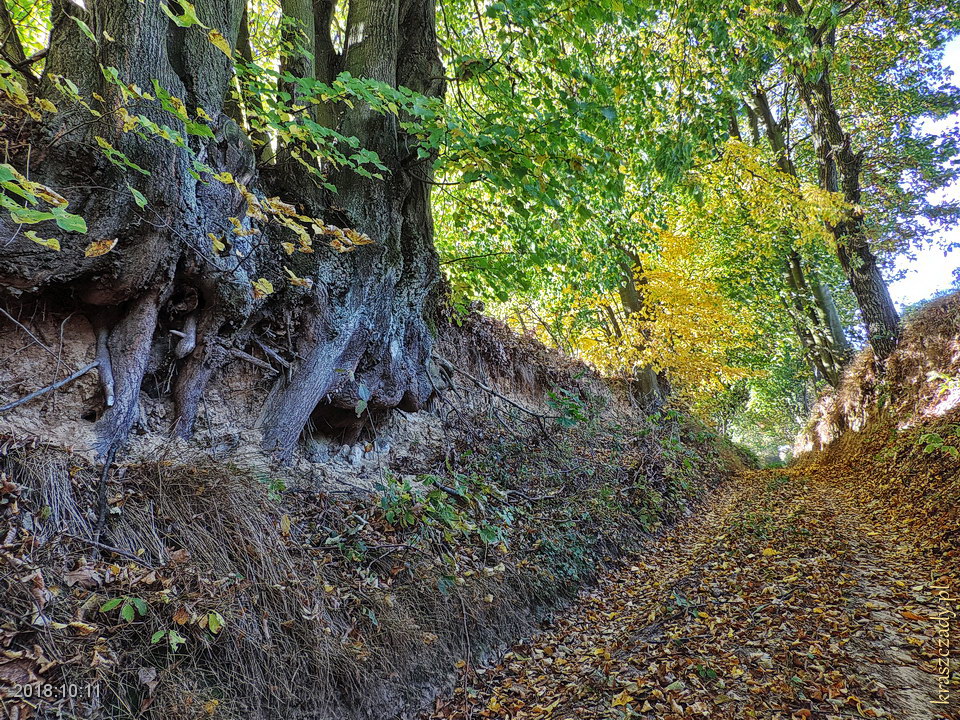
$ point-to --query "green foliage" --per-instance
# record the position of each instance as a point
(934, 442)
(174, 639)
(948, 383)
(275, 487)
(442, 513)
(130, 607)
(570, 409)
(35, 203)
(581, 165)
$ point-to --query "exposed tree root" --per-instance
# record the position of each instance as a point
(129, 347)
(105, 366)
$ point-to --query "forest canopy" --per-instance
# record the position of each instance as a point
(703, 196)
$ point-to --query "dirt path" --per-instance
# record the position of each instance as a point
(778, 600)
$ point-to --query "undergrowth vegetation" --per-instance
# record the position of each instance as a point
(221, 589)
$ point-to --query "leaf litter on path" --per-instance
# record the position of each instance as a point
(779, 599)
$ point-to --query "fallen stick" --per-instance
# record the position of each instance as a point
(50, 388)
(247, 357)
(490, 390)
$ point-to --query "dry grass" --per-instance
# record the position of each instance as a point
(328, 609)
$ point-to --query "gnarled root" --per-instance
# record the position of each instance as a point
(129, 346)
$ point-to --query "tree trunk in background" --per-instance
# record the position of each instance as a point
(809, 303)
(163, 301)
(649, 387)
(9, 40)
(822, 338)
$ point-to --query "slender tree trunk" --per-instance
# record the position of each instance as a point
(631, 296)
(811, 304)
(10, 43)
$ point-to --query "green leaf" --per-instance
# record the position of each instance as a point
(127, 612)
(18, 189)
(214, 622)
(84, 28)
(176, 639)
(360, 407)
(26, 216)
(140, 605)
(138, 197)
(187, 19)
(68, 221)
(157, 636)
(199, 129)
(51, 243)
(111, 604)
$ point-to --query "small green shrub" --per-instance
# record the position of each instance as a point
(934, 442)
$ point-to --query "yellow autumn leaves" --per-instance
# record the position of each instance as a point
(703, 307)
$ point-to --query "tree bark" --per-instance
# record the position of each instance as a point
(366, 338)
(358, 333)
(839, 169)
(9, 39)
(650, 392)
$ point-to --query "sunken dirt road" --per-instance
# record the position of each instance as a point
(783, 597)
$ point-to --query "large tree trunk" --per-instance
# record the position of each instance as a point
(839, 169)
(358, 333)
(162, 252)
(822, 338)
(365, 343)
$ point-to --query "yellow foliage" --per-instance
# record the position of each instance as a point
(687, 327)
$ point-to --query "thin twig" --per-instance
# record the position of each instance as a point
(241, 355)
(24, 328)
(36, 57)
(273, 354)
